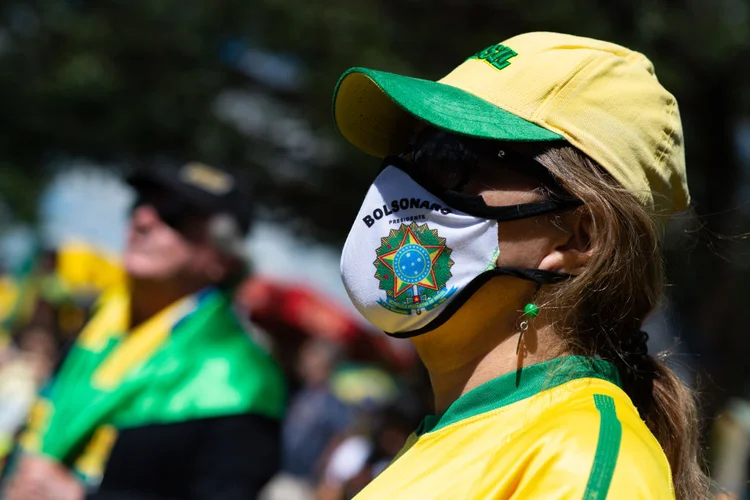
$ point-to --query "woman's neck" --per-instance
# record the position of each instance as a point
(474, 347)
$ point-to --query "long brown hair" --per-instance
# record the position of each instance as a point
(604, 307)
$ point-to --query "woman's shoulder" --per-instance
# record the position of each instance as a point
(595, 438)
(586, 410)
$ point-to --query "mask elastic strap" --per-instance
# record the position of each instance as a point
(538, 276)
(475, 204)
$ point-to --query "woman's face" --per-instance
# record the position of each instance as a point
(530, 243)
(465, 211)
(535, 242)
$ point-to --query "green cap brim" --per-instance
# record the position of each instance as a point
(377, 112)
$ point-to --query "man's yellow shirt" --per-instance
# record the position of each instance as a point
(561, 430)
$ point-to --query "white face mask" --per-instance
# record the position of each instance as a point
(411, 260)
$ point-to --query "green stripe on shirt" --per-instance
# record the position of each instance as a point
(607, 449)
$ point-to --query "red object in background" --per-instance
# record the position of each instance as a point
(291, 313)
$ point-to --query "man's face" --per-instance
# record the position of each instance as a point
(169, 242)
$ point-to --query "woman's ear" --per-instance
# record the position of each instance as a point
(573, 250)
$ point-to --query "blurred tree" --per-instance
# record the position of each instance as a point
(249, 84)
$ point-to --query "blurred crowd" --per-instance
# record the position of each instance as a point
(352, 397)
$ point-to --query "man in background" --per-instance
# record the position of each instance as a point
(165, 394)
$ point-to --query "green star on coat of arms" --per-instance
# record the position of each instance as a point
(413, 267)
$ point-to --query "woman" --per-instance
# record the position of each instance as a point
(512, 234)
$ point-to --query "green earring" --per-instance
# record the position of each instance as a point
(530, 310)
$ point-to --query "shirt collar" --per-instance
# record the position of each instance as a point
(521, 384)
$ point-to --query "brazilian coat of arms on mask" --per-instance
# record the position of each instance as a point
(413, 267)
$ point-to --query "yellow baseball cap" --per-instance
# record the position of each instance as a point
(602, 98)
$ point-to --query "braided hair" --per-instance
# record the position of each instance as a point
(603, 309)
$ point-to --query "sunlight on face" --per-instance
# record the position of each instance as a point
(524, 242)
(156, 251)
(502, 185)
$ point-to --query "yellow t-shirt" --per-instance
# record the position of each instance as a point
(559, 430)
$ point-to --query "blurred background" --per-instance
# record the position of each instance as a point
(92, 88)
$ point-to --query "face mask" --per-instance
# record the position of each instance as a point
(412, 258)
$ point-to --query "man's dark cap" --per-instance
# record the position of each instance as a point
(199, 186)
